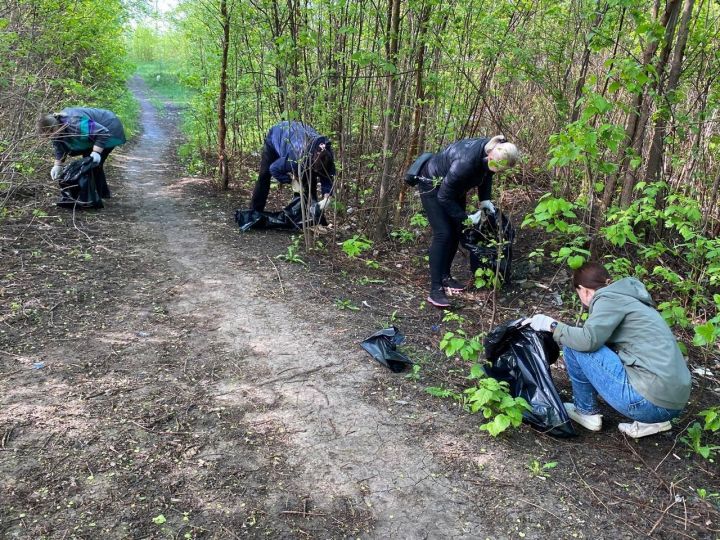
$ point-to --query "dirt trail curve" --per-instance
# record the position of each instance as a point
(184, 393)
(338, 447)
(340, 450)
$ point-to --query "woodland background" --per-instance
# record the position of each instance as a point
(614, 105)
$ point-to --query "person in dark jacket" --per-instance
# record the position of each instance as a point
(294, 153)
(83, 131)
(625, 352)
(445, 180)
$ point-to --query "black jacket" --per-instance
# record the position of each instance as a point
(462, 166)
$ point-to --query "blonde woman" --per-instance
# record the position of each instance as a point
(444, 182)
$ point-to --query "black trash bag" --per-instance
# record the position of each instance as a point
(77, 186)
(482, 244)
(382, 347)
(289, 217)
(522, 357)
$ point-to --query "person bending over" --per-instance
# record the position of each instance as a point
(625, 352)
(295, 153)
(445, 180)
(83, 131)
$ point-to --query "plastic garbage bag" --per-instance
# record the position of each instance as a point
(382, 347)
(289, 217)
(522, 357)
(77, 186)
(490, 244)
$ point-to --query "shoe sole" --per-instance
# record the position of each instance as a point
(661, 430)
(437, 304)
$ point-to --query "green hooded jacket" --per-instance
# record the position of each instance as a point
(623, 317)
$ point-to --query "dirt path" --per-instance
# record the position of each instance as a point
(289, 380)
(162, 376)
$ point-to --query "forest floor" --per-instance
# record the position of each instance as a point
(164, 376)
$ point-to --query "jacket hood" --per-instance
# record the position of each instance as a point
(628, 287)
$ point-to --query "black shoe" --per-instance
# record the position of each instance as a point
(438, 298)
(452, 285)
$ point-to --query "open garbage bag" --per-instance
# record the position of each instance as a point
(289, 217)
(77, 186)
(522, 357)
(490, 244)
(382, 347)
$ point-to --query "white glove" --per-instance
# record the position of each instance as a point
(56, 171)
(487, 206)
(540, 323)
(477, 218)
(323, 203)
(295, 184)
(96, 158)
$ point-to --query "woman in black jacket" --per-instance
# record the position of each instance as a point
(445, 180)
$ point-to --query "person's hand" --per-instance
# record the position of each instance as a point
(540, 323)
(96, 158)
(487, 206)
(477, 217)
(295, 184)
(56, 171)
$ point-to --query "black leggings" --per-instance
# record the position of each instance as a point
(445, 237)
(262, 186)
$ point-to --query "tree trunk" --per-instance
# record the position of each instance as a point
(383, 207)
(657, 146)
(585, 63)
(418, 109)
(635, 118)
(222, 99)
(670, 18)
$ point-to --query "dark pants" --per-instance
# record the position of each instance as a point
(445, 236)
(98, 172)
(262, 186)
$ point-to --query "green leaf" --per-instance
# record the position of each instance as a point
(576, 261)
(705, 334)
(159, 520)
(476, 372)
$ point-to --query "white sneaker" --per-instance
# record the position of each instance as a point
(593, 422)
(638, 429)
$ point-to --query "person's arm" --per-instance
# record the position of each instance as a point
(280, 169)
(485, 189)
(453, 189)
(60, 152)
(598, 328)
(326, 185)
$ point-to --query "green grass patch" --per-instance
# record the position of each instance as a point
(165, 82)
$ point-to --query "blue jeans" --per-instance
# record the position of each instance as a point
(602, 372)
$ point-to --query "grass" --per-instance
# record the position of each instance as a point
(164, 80)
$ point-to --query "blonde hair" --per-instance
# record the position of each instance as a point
(506, 154)
(47, 124)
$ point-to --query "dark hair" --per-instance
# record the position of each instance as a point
(322, 158)
(591, 275)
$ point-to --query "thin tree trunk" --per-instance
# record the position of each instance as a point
(670, 18)
(383, 207)
(585, 63)
(419, 105)
(657, 146)
(634, 117)
(222, 99)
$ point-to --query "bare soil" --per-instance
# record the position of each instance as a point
(164, 376)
